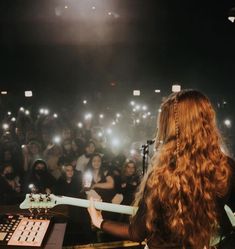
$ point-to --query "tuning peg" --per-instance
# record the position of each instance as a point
(31, 197)
(48, 198)
(40, 197)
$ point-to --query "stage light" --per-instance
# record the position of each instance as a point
(134, 110)
(231, 15)
(136, 92)
(13, 119)
(9, 113)
(27, 112)
(66, 7)
(144, 116)
(159, 110)
(93, 8)
(149, 113)
(109, 13)
(137, 121)
(22, 146)
(55, 115)
(118, 115)
(84, 102)
(5, 126)
(4, 92)
(56, 139)
(22, 109)
(28, 94)
(101, 116)
(137, 107)
(228, 123)
(176, 88)
(80, 125)
(113, 123)
(157, 91)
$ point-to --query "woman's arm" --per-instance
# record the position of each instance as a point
(109, 184)
(135, 230)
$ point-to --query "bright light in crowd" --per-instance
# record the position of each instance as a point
(137, 121)
(80, 125)
(137, 107)
(159, 110)
(144, 107)
(88, 116)
(3, 92)
(66, 6)
(28, 94)
(13, 119)
(136, 92)
(93, 7)
(87, 180)
(100, 134)
(113, 123)
(27, 112)
(157, 91)
(84, 102)
(134, 110)
(132, 103)
(118, 115)
(149, 113)
(46, 111)
(132, 152)
(115, 142)
(9, 113)
(176, 88)
(41, 111)
(57, 139)
(144, 116)
(109, 131)
(5, 126)
(22, 109)
(101, 116)
(55, 115)
(228, 123)
(109, 13)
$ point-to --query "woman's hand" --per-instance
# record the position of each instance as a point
(96, 216)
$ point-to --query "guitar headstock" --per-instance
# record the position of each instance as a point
(39, 201)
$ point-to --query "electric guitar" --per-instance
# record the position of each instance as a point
(46, 201)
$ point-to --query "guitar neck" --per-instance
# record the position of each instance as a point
(104, 206)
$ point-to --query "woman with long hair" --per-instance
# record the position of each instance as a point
(181, 199)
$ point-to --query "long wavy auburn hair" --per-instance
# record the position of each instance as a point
(185, 179)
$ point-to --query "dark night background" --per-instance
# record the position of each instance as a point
(64, 50)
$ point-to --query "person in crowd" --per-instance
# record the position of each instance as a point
(84, 159)
(78, 147)
(31, 152)
(70, 183)
(52, 155)
(39, 178)
(68, 155)
(130, 180)
(181, 200)
(102, 182)
(10, 186)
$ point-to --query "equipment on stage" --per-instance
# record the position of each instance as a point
(23, 230)
(45, 201)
